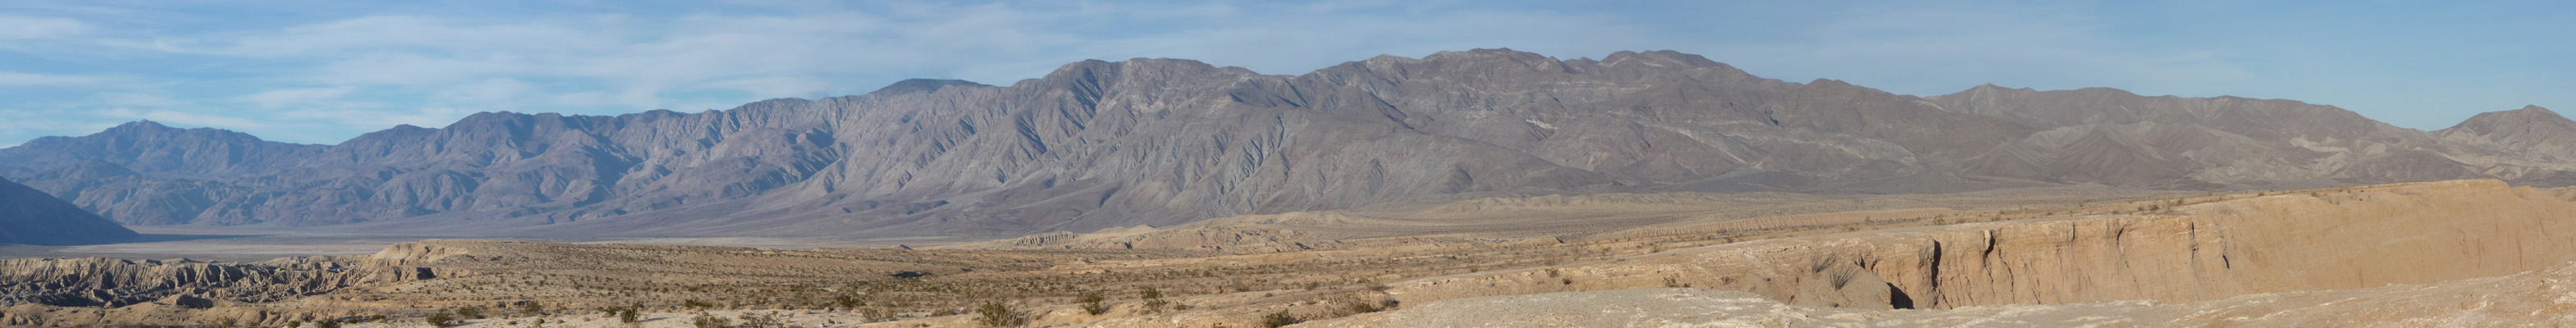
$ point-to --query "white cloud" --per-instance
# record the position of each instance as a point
(1938, 49)
(298, 97)
(23, 27)
(485, 91)
(371, 120)
(187, 118)
(32, 79)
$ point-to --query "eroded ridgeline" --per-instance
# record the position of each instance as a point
(2282, 241)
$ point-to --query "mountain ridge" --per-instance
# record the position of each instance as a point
(1099, 144)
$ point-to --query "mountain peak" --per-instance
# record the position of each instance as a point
(924, 86)
(2535, 109)
(2529, 120)
(142, 125)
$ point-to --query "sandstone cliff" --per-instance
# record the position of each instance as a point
(2368, 237)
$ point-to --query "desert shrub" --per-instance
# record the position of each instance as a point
(1356, 306)
(441, 319)
(470, 312)
(628, 315)
(769, 320)
(996, 314)
(848, 302)
(697, 304)
(705, 321)
(1280, 319)
(533, 308)
(333, 323)
(876, 315)
(1091, 303)
(227, 323)
(1154, 299)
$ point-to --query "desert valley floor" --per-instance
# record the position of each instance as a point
(2450, 253)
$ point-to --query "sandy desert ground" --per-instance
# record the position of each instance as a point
(2468, 252)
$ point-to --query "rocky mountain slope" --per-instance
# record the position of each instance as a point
(31, 217)
(1159, 142)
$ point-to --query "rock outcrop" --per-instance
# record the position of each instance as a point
(2341, 239)
(28, 216)
(1161, 142)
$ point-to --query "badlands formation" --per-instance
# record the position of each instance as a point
(2447, 253)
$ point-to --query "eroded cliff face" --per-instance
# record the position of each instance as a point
(116, 283)
(2337, 239)
(100, 282)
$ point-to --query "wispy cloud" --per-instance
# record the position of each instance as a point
(26, 79)
(297, 97)
(1927, 51)
(188, 118)
(23, 27)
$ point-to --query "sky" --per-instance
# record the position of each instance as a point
(323, 71)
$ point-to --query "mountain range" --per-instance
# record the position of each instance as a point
(1099, 144)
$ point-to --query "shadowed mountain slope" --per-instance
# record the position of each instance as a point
(31, 217)
(1099, 144)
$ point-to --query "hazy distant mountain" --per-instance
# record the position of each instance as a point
(1161, 141)
(31, 217)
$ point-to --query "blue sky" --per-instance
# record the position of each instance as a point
(324, 71)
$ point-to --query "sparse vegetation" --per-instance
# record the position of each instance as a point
(875, 315)
(1322, 288)
(1280, 319)
(762, 320)
(847, 301)
(1091, 303)
(627, 314)
(996, 314)
(706, 321)
(1153, 299)
(443, 318)
(1357, 306)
